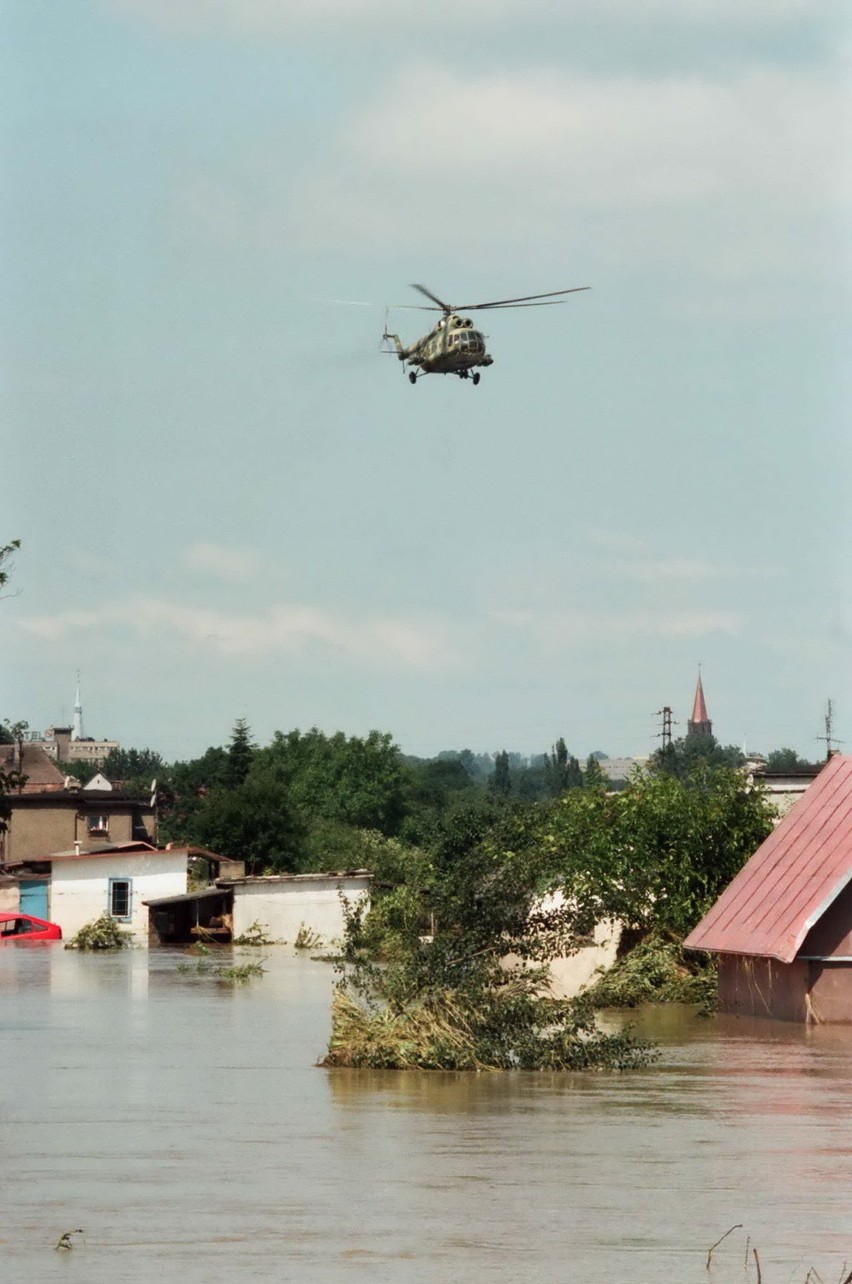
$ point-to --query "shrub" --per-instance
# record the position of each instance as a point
(102, 934)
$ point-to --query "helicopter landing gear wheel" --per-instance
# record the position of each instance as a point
(475, 377)
(412, 377)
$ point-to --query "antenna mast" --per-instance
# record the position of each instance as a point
(829, 737)
(666, 734)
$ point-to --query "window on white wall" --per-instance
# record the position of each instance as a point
(120, 897)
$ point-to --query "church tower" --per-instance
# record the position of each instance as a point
(699, 724)
(77, 729)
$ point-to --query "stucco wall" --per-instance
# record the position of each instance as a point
(569, 976)
(35, 831)
(79, 889)
(283, 905)
(38, 828)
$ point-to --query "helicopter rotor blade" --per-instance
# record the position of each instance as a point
(505, 307)
(525, 299)
(445, 307)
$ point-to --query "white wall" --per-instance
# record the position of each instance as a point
(79, 889)
(283, 905)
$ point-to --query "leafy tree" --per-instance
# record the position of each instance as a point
(254, 823)
(7, 552)
(185, 789)
(593, 776)
(501, 781)
(356, 781)
(657, 854)
(701, 749)
(434, 788)
(562, 770)
(477, 765)
(787, 760)
(200, 775)
(11, 781)
(135, 769)
(450, 998)
(240, 753)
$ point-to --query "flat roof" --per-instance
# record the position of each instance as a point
(206, 893)
(319, 876)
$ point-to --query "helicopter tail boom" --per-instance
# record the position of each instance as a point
(401, 351)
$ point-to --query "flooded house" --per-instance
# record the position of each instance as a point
(782, 929)
(284, 906)
(74, 887)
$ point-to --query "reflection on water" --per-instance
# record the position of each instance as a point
(183, 1123)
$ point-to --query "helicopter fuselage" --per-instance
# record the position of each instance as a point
(452, 347)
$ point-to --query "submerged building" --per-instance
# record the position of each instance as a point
(783, 928)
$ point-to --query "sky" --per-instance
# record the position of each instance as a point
(232, 505)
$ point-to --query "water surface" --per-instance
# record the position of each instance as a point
(183, 1123)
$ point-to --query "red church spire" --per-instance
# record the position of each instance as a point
(699, 724)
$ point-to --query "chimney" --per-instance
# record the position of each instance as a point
(76, 846)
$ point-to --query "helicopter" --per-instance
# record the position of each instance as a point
(453, 346)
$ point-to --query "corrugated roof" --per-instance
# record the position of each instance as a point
(792, 878)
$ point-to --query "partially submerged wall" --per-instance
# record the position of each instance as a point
(287, 904)
(817, 990)
(79, 890)
(763, 987)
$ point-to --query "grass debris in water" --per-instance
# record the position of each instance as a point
(445, 1031)
(656, 971)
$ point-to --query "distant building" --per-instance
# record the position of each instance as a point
(619, 770)
(783, 788)
(69, 744)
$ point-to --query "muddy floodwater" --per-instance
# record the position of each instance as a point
(183, 1124)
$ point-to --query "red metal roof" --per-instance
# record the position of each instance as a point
(792, 878)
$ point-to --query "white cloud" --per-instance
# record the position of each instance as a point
(235, 565)
(284, 17)
(558, 630)
(411, 642)
(733, 192)
(683, 570)
(738, 178)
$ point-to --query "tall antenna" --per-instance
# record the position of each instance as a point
(829, 738)
(77, 729)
